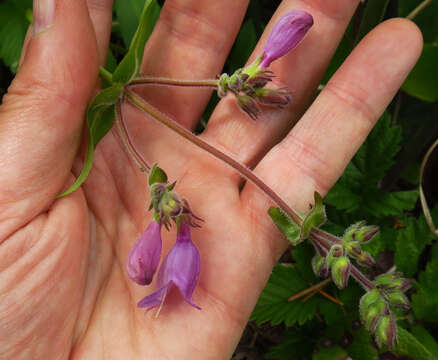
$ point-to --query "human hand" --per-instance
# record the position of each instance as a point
(64, 290)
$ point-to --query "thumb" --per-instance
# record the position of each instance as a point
(43, 112)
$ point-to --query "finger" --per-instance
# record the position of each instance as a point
(101, 12)
(316, 151)
(300, 71)
(191, 40)
(43, 112)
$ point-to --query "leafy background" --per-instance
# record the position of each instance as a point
(379, 185)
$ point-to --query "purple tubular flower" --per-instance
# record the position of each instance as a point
(285, 35)
(181, 268)
(144, 256)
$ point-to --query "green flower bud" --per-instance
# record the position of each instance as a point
(365, 259)
(350, 232)
(368, 299)
(373, 314)
(360, 232)
(335, 252)
(386, 332)
(399, 300)
(341, 268)
(392, 282)
(353, 248)
(319, 265)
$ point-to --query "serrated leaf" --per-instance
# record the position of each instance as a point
(407, 344)
(361, 348)
(100, 119)
(376, 155)
(332, 353)
(129, 67)
(426, 339)
(422, 81)
(411, 240)
(425, 301)
(380, 203)
(285, 224)
(273, 305)
(314, 219)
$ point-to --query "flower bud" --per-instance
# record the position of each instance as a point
(365, 259)
(335, 252)
(248, 105)
(360, 232)
(285, 35)
(341, 268)
(393, 282)
(386, 332)
(368, 299)
(273, 97)
(353, 248)
(399, 300)
(373, 314)
(319, 266)
(145, 255)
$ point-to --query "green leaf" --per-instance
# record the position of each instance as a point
(13, 27)
(128, 13)
(332, 353)
(361, 348)
(285, 224)
(376, 155)
(273, 305)
(357, 191)
(425, 301)
(314, 219)
(426, 339)
(411, 240)
(157, 175)
(129, 67)
(408, 345)
(243, 47)
(422, 82)
(100, 118)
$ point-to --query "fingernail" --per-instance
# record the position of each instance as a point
(43, 14)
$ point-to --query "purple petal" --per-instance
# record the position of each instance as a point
(155, 299)
(285, 35)
(145, 255)
(182, 265)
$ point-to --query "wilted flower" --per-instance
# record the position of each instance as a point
(144, 256)
(285, 35)
(181, 268)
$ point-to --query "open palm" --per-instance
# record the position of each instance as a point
(64, 292)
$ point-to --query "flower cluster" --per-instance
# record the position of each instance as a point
(182, 264)
(248, 84)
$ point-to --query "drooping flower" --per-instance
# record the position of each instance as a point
(180, 268)
(285, 35)
(144, 256)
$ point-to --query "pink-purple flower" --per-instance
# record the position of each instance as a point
(144, 256)
(285, 35)
(180, 268)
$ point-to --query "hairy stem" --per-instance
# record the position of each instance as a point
(127, 140)
(321, 237)
(145, 80)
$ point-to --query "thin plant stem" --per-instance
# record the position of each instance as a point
(313, 288)
(418, 9)
(105, 74)
(321, 237)
(124, 133)
(149, 80)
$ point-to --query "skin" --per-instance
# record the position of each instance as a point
(64, 292)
